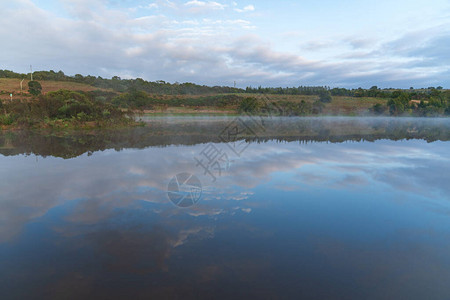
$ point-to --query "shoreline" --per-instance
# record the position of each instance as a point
(62, 126)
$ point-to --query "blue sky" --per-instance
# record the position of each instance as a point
(271, 43)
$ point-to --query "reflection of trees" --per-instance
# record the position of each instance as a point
(166, 132)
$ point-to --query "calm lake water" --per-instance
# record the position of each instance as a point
(289, 208)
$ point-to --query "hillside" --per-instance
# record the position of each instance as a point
(12, 85)
(181, 98)
(340, 105)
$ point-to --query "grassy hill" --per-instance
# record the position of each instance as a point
(12, 85)
(187, 98)
(58, 108)
(340, 105)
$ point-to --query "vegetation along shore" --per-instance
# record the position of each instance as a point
(55, 100)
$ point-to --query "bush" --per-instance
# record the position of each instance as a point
(398, 103)
(317, 107)
(249, 105)
(34, 88)
(396, 107)
(6, 119)
(325, 97)
(62, 105)
(378, 109)
(289, 108)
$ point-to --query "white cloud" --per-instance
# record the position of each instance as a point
(168, 3)
(216, 49)
(201, 6)
(151, 5)
(247, 8)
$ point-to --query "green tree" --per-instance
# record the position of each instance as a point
(399, 102)
(396, 107)
(325, 96)
(249, 104)
(373, 91)
(359, 92)
(378, 109)
(34, 87)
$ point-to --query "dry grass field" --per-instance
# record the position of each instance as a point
(339, 106)
(342, 105)
(12, 85)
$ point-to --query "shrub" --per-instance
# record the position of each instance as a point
(6, 119)
(378, 109)
(317, 107)
(325, 96)
(34, 87)
(61, 105)
(289, 108)
(249, 104)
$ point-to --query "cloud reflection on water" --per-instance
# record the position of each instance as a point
(110, 179)
(283, 210)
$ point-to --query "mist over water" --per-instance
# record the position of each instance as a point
(168, 131)
(312, 207)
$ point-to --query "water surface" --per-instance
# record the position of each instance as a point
(340, 208)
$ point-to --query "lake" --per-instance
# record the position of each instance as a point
(228, 207)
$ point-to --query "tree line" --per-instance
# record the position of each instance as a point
(373, 92)
(165, 88)
(126, 85)
(436, 103)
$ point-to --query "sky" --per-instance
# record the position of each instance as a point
(349, 43)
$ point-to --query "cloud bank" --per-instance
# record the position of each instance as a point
(213, 43)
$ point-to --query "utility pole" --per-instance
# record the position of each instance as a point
(31, 72)
(21, 87)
